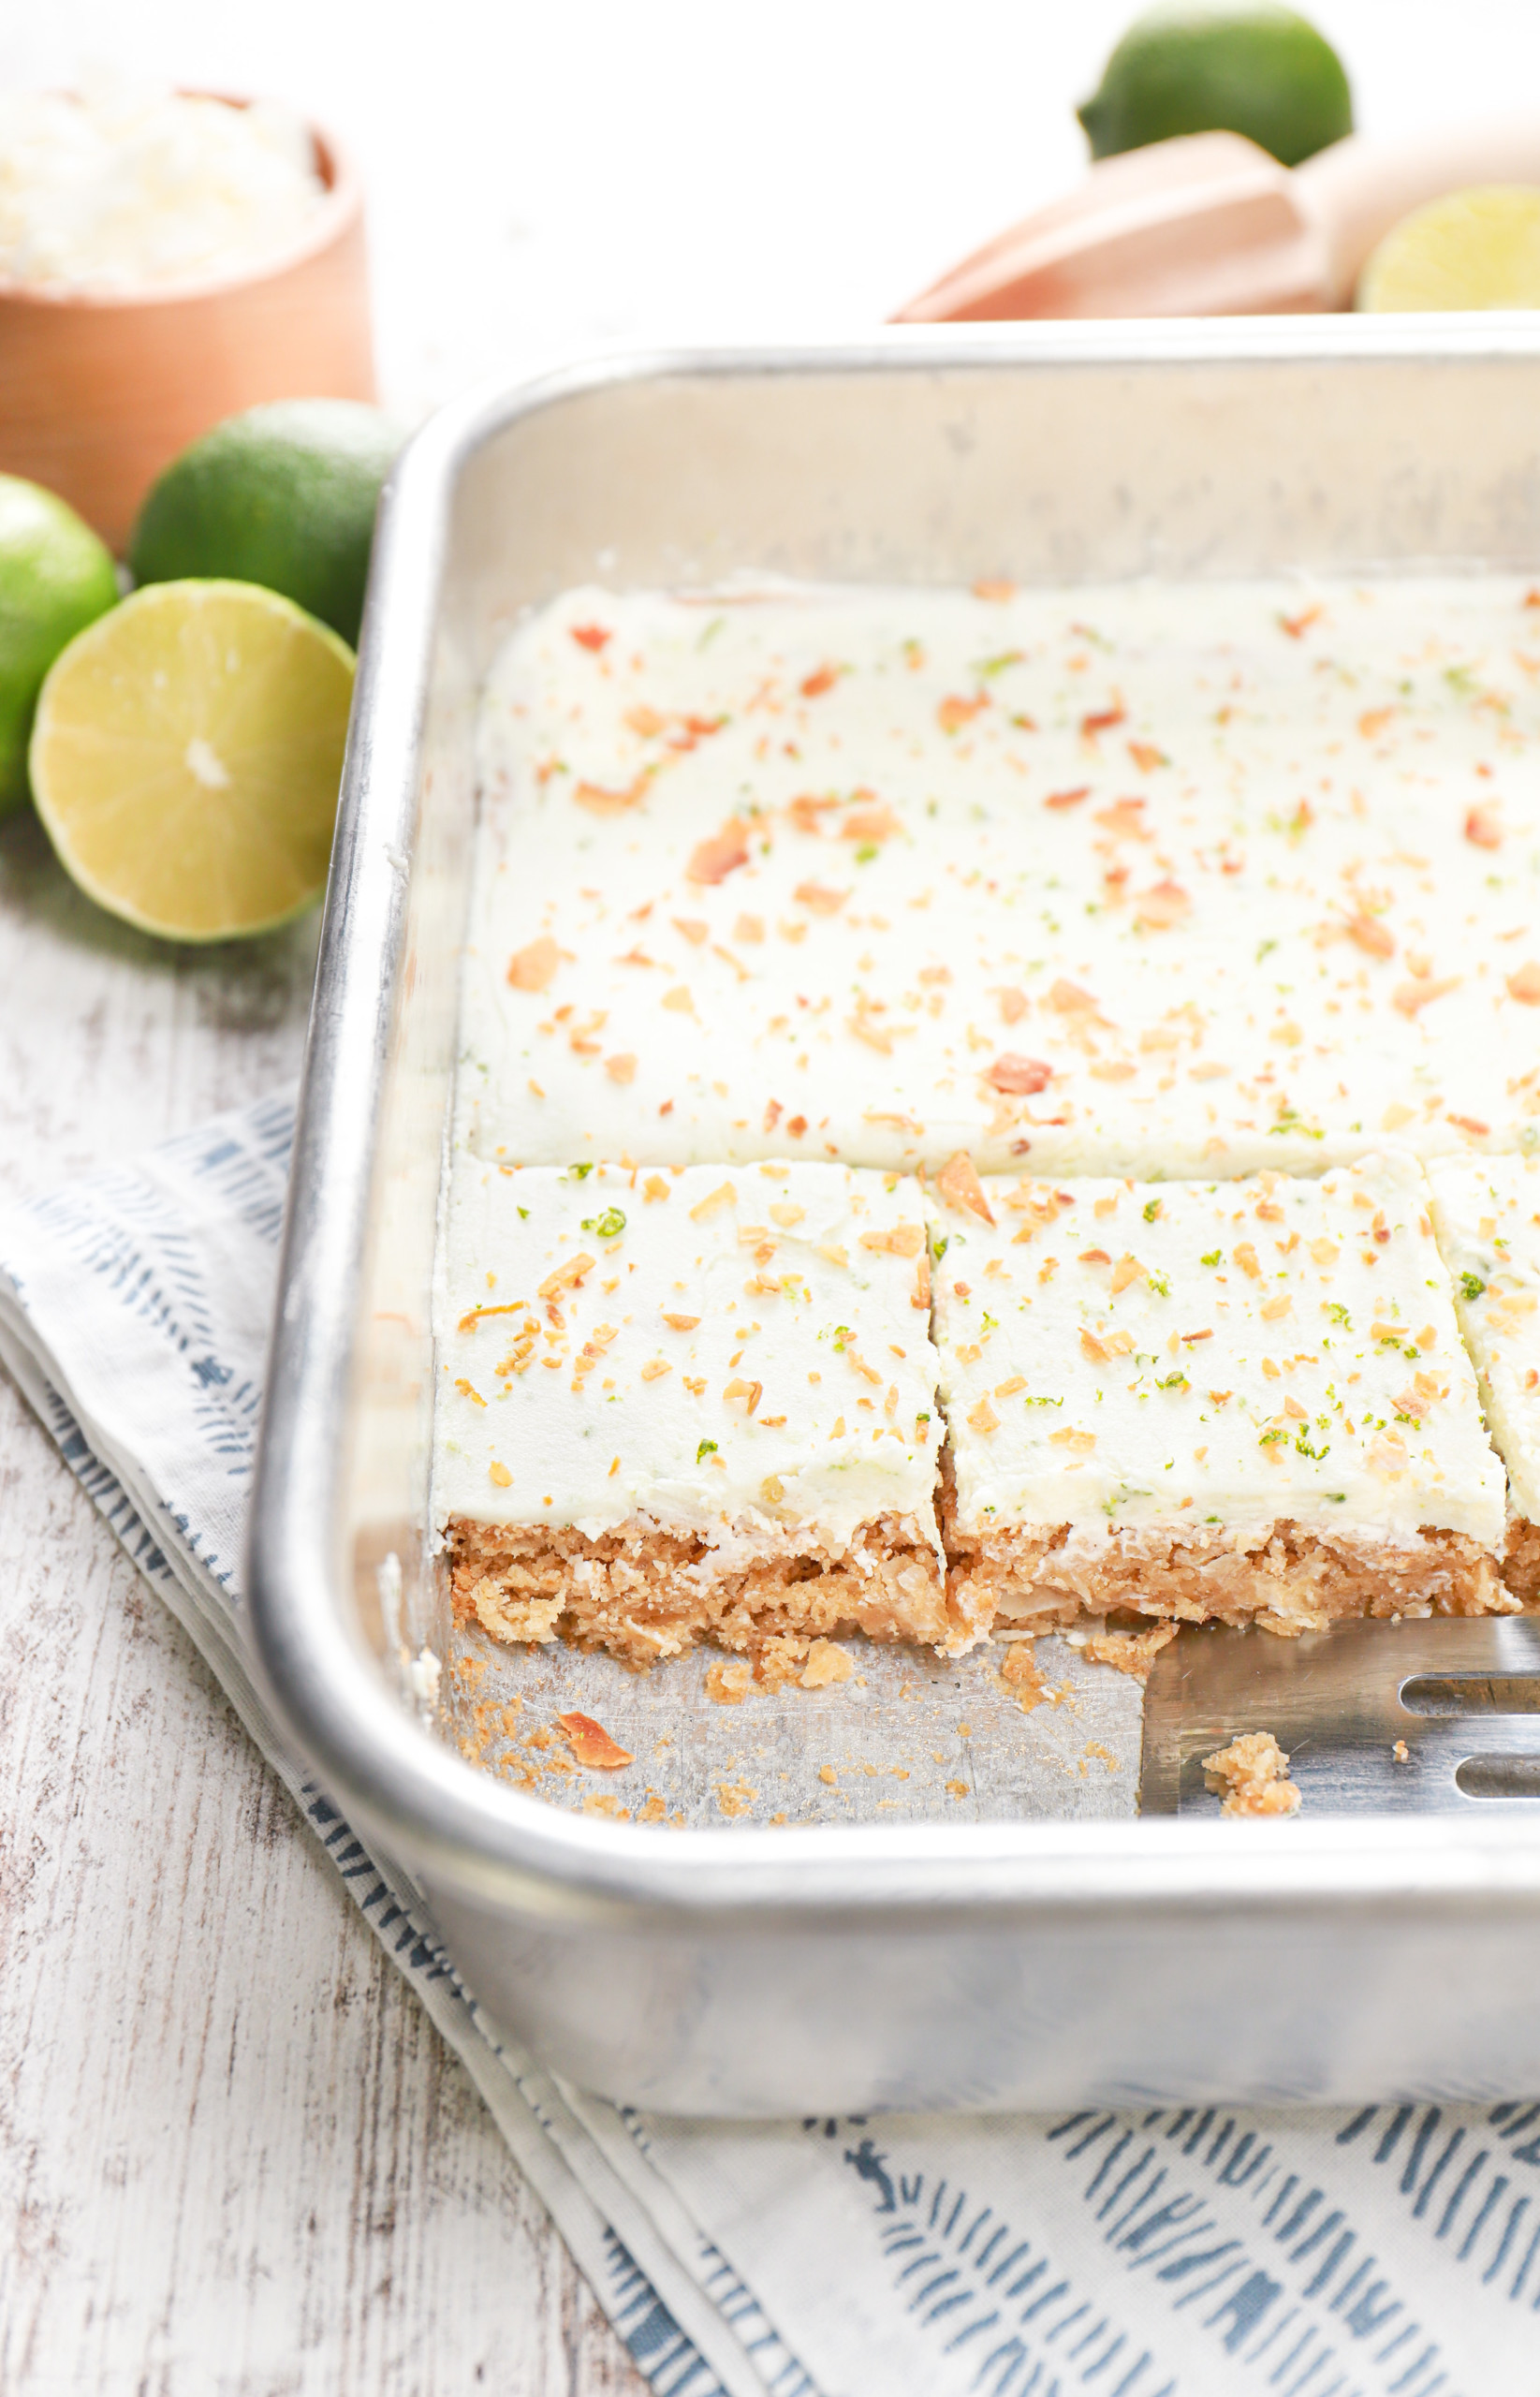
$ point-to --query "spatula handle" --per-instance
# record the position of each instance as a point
(1358, 189)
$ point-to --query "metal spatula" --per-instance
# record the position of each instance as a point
(1411, 1717)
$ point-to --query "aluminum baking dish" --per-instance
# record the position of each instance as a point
(1014, 1962)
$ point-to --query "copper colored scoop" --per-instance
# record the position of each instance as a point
(1211, 226)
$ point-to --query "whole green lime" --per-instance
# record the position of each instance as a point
(283, 495)
(55, 578)
(1257, 69)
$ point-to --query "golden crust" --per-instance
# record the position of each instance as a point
(1521, 1561)
(1287, 1579)
(642, 1593)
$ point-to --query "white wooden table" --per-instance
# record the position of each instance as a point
(235, 2158)
(235, 2161)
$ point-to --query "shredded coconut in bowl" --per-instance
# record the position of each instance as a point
(117, 190)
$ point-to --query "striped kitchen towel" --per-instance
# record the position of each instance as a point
(1393, 2252)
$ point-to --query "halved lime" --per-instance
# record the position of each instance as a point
(186, 756)
(1478, 248)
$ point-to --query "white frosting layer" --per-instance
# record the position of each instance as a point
(1175, 880)
(1486, 1214)
(725, 1352)
(1185, 1354)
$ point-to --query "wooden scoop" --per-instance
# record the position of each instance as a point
(1211, 226)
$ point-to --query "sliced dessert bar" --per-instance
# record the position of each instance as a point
(1071, 875)
(689, 1404)
(1487, 1215)
(1244, 1401)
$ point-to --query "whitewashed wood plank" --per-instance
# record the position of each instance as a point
(235, 2157)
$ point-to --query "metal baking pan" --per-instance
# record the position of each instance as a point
(988, 1956)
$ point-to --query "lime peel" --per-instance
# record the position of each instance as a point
(1248, 66)
(55, 577)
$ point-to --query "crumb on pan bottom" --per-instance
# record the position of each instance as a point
(1286, 1579)
(642, 1593)
(1521, 1560)
(1252, 1776)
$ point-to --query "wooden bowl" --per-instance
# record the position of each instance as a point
(98, 391)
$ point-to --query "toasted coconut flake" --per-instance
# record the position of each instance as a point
(958, 1184)
(715, 858)
(569, 1275)
(592, 1744)
(622, 1070)
(1019, 1077)
(819, 899)
(953, 713)
(1374, 938)
(867, 1025)
(682, 1322)
(601, 802)
(877, 823)
(903, 1240)
(1524, 986)
(1102, 1349)
(725, 1194)
(1163, 907)
(1483, 829)
(1411, 998)
(533, 968)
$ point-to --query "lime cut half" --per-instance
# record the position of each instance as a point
(1478, 248)
(186, 756)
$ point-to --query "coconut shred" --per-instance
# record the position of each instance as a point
(113, 190)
